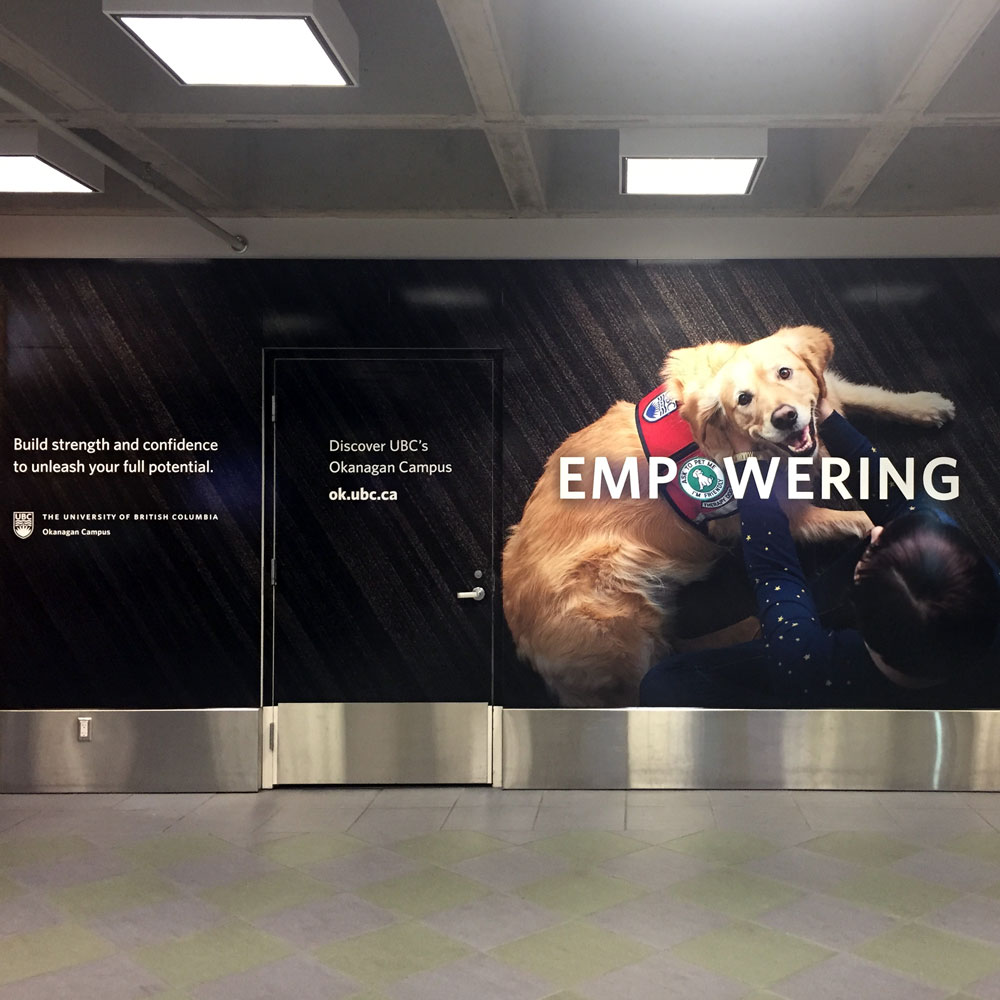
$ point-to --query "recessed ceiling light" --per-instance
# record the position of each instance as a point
(691, 161)
(34, 161)
(688, 176)
(240, 43)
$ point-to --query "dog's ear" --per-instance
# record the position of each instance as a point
(702, 409)
(814, 346)
(689, 368)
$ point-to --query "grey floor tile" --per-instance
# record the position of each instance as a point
(498, 796)
(102, 827)
(662, 977)
(923, 800)
(761, 818)
(589, 797)
(410, 798)
(113, 978)
(659, 920)
(388, 826)
(27, 913)
(493, 921)
(805, 869)
(61, 801)
(205, 873)
(760, 797)
(372, 864)
(957, 871)
(924, 823)
(324, 797)
(147, 925)
(313, 924)
(306, 820)
(290, 977)
(581, 817)
(848, 976)
(827, 921)
(840, 800)
(491, 817)
(512, 868)
(96, 865)
(177, 804)
(655, 867)
(677, 819)
(985, 989)
(871, 816)
(477, 977)
(972, 916)
(667, 797)
(11, 818)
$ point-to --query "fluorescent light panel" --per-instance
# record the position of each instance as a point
(240, 43)
(36, 161)
(29, 174)
(691, 161)
(688, 176)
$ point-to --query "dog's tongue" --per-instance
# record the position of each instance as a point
(800, 441)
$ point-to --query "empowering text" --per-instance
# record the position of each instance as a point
(833, 474)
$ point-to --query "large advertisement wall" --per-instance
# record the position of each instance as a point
(133, 425)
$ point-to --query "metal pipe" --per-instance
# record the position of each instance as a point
(233, 240)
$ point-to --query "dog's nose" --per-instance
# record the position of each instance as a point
(784, 417)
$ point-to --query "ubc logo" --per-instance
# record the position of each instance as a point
(24, 523)
(658, 408)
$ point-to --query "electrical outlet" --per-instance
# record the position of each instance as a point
(83, 728)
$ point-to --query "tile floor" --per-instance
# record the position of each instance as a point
(414, 893)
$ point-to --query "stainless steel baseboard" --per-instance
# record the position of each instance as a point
(209, 750)
(728, 748)
(366, 743)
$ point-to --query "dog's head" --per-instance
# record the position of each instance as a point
(756, 397)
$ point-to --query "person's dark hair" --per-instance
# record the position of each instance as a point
(926, 598)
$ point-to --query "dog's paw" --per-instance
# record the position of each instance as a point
(930, 408)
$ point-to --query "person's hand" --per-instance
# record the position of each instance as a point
(823, 409)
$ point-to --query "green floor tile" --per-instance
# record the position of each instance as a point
(384, 956)
(123, 892)
(933, 956)
(18, 851)
(586, 848)
(898, 895)
(210, 955)
(571, 953)
(750, 953)
(309, 848)
(727, 848)
(159, 852)
(735, 893)
(985, 846)
(267, 894)
(448, 847)
(580, 893)
(425, 892)
(861, 847)
(32, 954)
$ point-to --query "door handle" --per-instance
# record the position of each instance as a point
(471, 595)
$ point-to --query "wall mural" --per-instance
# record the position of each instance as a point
(132, 427)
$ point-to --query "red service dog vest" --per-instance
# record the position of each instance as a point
(699, 492)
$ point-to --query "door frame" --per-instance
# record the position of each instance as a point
(394, 711)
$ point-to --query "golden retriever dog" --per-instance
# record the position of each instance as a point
(588, 584)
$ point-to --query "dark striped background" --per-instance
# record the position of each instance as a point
(169, 615)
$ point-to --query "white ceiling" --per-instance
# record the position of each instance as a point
(471, 109)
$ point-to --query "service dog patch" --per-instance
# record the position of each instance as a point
(699, 492)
